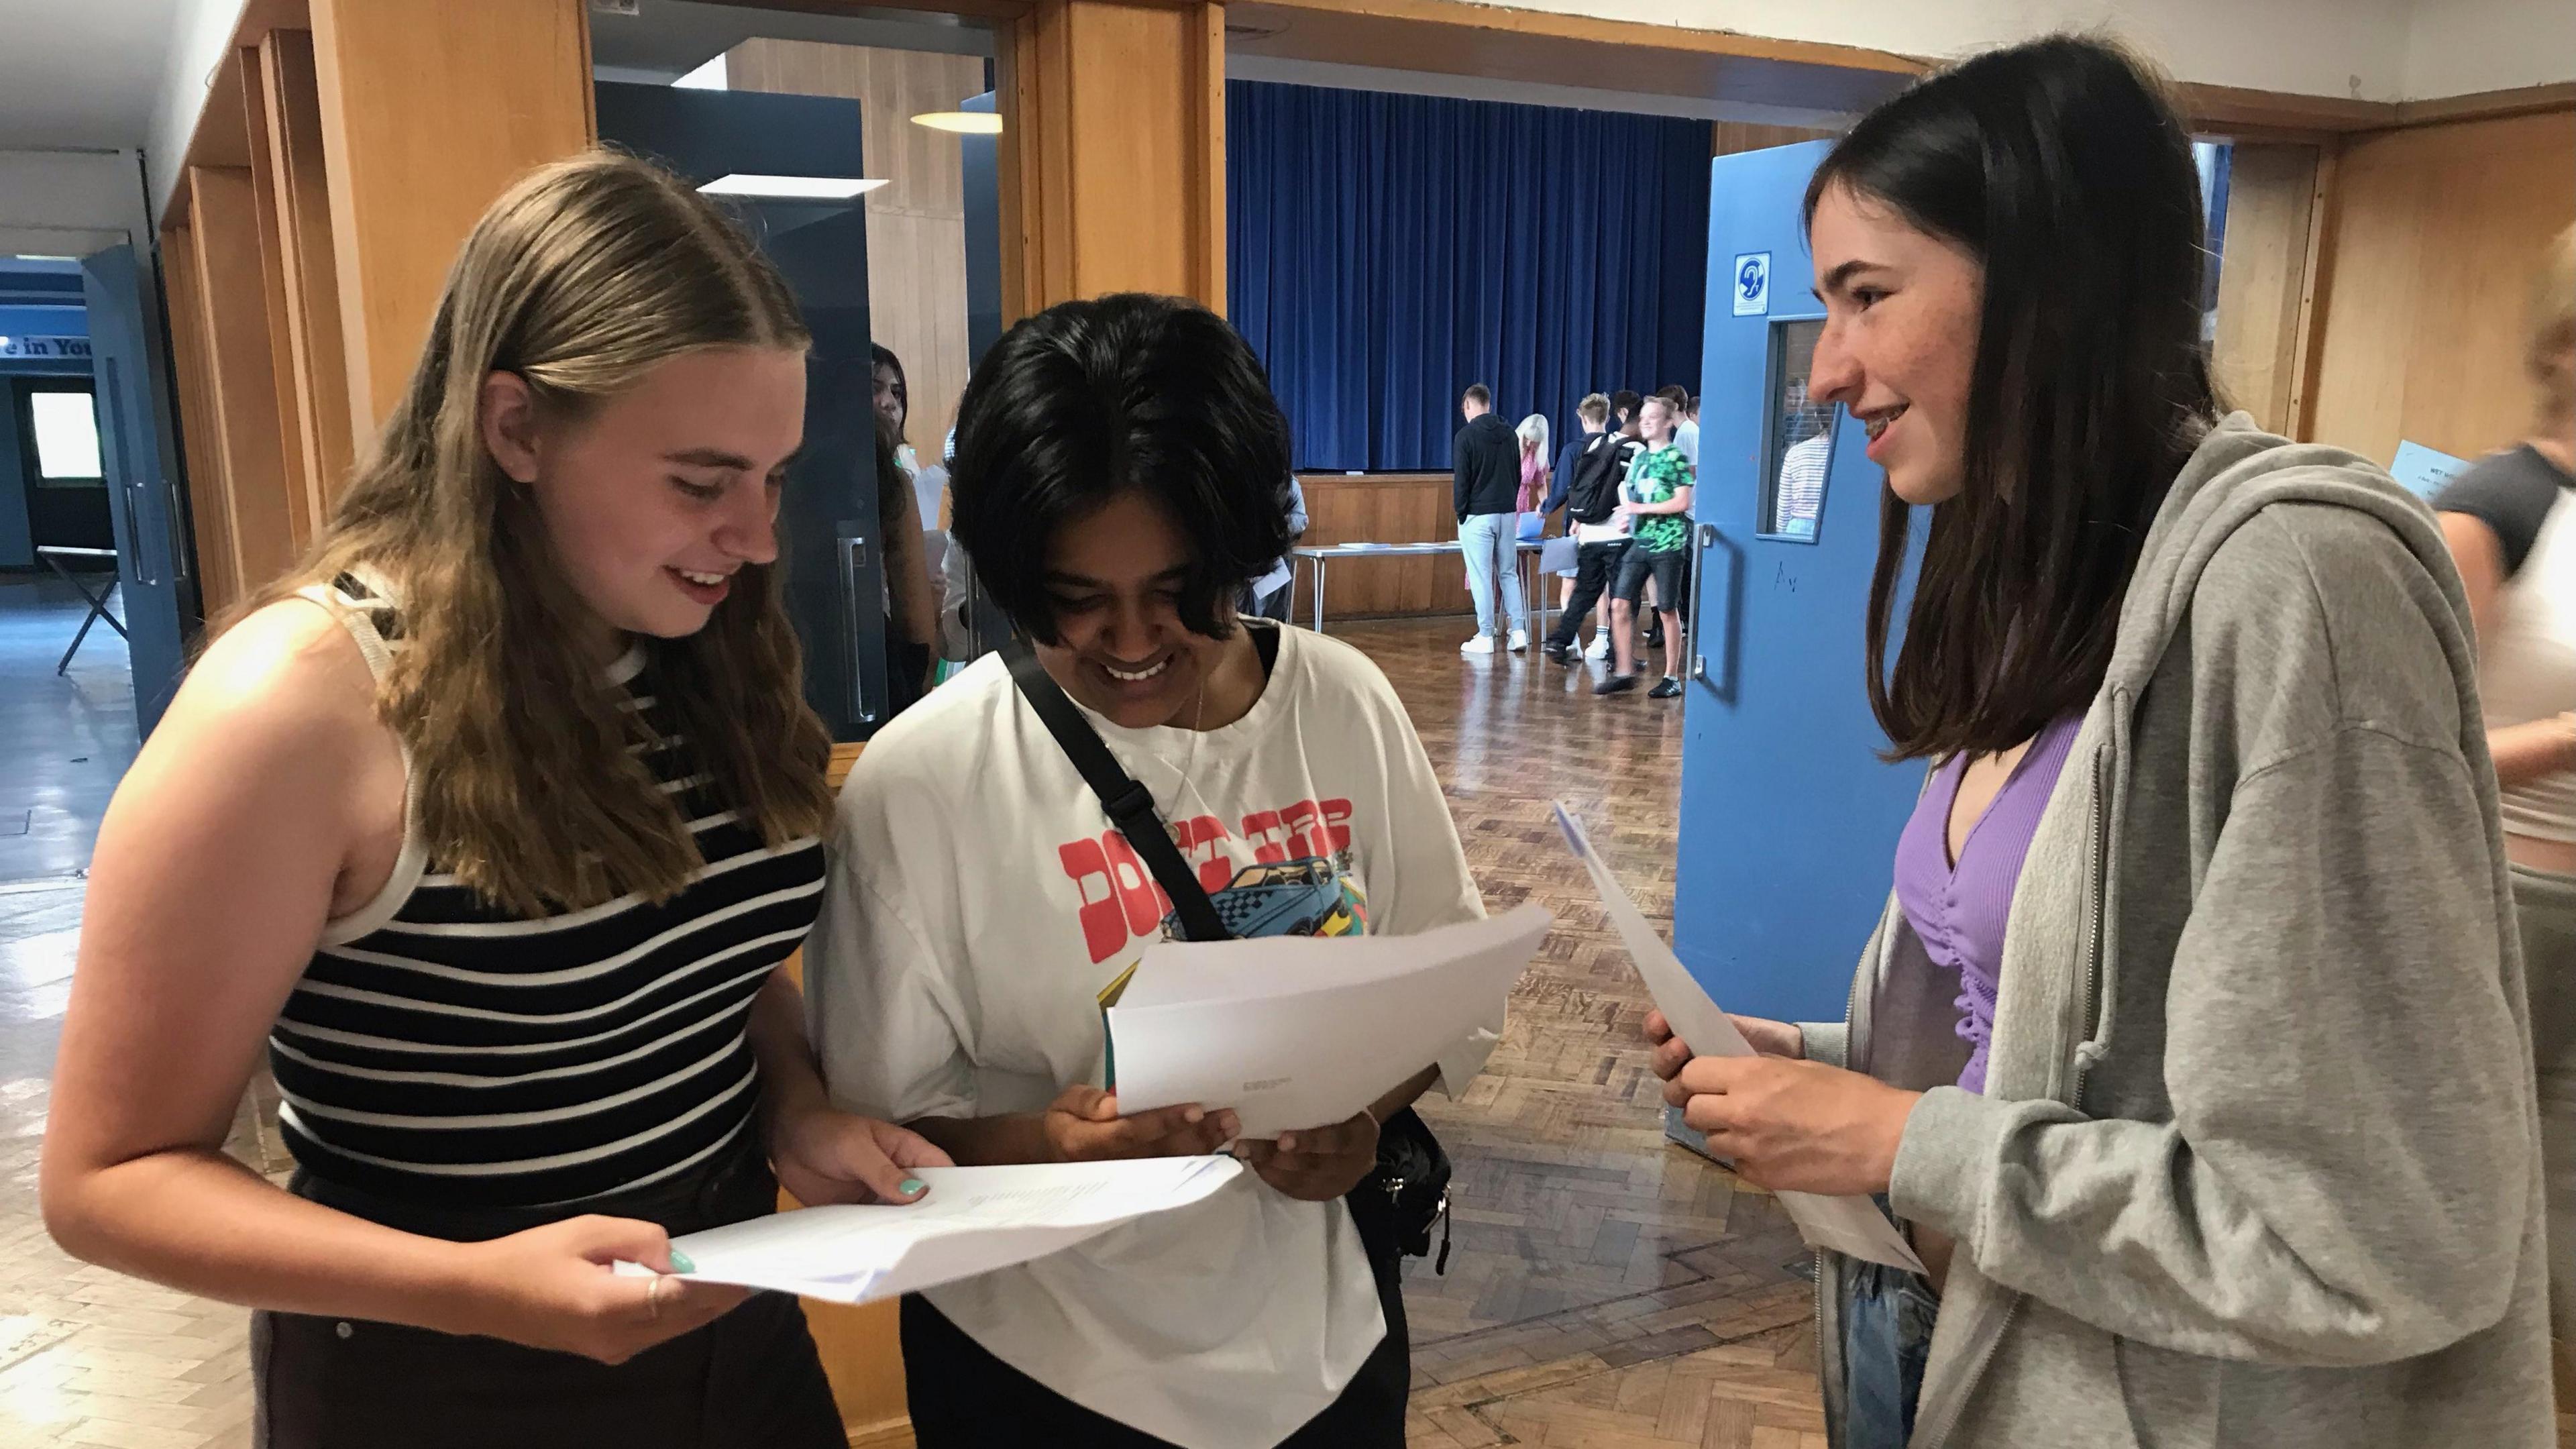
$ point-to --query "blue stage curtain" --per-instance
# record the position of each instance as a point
(1384, 251)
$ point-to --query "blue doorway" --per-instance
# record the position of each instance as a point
(1789, 818)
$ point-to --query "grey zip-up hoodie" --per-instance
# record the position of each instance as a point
(2256, 1162)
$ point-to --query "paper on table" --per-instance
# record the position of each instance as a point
(1298, 1031)
(1848, 1225)
(974, 1220)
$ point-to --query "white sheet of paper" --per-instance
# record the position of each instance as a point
(1853, 1226)
(1296, 1031)
(974, 1220)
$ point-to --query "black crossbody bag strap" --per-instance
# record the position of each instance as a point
(1130, 805)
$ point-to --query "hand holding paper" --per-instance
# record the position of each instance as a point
(1293, 1032)
(1850, 1225)
(974, 1220)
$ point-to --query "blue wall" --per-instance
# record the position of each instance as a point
(1384, 251)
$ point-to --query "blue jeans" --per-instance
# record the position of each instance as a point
(1493, 560)
(1888, 1315)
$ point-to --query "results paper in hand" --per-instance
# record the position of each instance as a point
(1299, 1031)
(1848, 1225)
(974, 1220)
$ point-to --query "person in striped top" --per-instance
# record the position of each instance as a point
(495, 821)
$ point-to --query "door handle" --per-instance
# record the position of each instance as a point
(1717, 591)
(853, 555)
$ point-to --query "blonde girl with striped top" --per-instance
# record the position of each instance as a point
(493, 823)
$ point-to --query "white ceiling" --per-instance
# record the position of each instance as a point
(81, 73)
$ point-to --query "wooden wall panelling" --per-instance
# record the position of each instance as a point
(293, 122)
(917, 220)
(1727, 138)
(428, 113)
(1113, 163)
(1382, 508)
(210, 517)
(295, 449)
(2434, 236)
(231, 293)
(2262, 274)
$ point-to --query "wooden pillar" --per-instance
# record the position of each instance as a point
(230, 290)
(428, 113)
(285, 131)
(1113, 166)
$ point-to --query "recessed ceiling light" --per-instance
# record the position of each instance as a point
(790, 188)
(964, 123)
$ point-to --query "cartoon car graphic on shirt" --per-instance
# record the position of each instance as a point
(1308, 897)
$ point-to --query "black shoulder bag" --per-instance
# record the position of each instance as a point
(1407, 1194)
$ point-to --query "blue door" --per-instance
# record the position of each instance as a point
(1788, 818)
(155, 582)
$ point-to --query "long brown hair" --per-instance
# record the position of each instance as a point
(580, 279)
(2062, 166)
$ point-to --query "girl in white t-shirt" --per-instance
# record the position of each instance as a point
(1119, 478)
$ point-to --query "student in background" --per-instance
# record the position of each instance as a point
(1596, 464)
(1120, 477)
(493, 823)
(1268, 596)
(1623, 412)
(1656, 499)
(2511, 522)
(2229, 1138)
(1532, 434)
(905, 508)
(892, 398)
(1560, 476)
(1685, 424)
(1485, 483)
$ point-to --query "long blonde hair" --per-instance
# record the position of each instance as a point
(585, 275)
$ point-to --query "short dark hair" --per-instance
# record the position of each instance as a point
(1091, 399)
(2062, 166)
(1676, 394)
(1693, 405)
(1479, 394)
(1624, 402)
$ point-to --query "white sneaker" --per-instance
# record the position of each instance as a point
(1520, 640)
(1600, 646)
(1481, 644)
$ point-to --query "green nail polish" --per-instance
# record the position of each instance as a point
(680, 1262)
(912, 1187)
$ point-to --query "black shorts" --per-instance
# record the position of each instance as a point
(749, 1380)
(1667, 569)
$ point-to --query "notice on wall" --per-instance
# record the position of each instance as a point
(2423, 470)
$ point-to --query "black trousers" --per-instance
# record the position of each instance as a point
(962, 1397)
(749, 1380)
(1595, 565)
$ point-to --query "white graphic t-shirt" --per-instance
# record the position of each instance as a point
(978, 904)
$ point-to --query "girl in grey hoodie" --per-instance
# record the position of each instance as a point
(2191, 1048)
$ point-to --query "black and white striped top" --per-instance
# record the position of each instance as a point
(440, 1050)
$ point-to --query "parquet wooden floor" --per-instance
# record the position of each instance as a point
(1606, 1288)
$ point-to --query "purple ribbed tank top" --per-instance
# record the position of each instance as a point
(1959, 910)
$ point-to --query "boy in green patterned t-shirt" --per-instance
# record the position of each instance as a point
(1657, 499)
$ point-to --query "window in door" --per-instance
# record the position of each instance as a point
(1798, 444)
